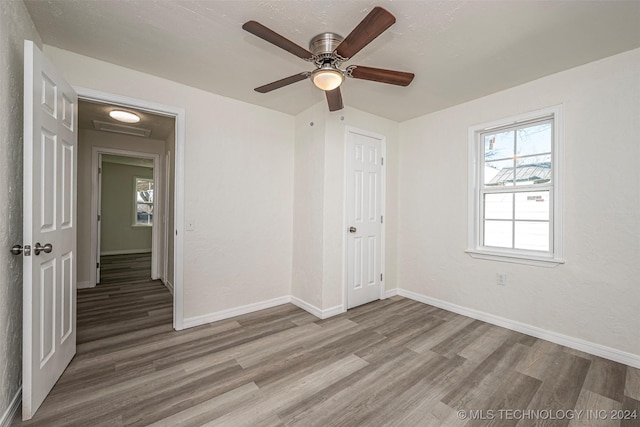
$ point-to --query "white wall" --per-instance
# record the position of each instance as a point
(15, 27)
(238, 185)
(319, 229)
(87, 140)
(308, 207)
(595, 295)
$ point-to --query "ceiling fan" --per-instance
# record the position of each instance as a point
(328, 51)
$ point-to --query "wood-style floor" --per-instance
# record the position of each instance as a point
(394, 362)
(125, 268)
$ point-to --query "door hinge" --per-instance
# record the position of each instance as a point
(381, 277)
(97, 265)
(381, 161)
(98, 217)
(99, 170)
(381, 219)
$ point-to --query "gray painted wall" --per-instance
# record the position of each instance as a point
(118, 234)
(15, 27)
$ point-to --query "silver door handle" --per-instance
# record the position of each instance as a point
(352, 230)
(47, 248)
(16, 249)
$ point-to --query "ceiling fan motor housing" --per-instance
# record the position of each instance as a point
(324, 44)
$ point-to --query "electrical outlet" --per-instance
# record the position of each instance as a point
(502, 279)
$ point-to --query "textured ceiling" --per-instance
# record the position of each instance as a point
(459, 50)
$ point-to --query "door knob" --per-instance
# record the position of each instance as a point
(352, 230)
(16, 249)
(47, 248)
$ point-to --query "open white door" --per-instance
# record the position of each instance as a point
(364, 217)
(50, 160)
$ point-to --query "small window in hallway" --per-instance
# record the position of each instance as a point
(143, 214)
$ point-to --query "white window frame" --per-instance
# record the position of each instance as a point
(136, 202)
(475, 179)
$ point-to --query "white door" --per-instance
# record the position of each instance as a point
(49, 287)
(364, 218)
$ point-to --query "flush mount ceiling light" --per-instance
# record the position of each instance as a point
(124, 116)
(327, 77)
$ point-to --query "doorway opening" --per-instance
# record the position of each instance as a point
(129, 194)
(130, 224)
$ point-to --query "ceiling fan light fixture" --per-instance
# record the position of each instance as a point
(124, 116)
(327, 78)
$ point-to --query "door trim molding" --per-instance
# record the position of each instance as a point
(345, 218)
(178, 214)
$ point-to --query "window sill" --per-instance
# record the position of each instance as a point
(142, 225)
(515, 258)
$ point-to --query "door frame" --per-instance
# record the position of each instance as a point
(178, 210)
(96, 204)
(345, 212)
(165, 228)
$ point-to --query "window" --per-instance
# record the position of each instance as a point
(514, 189)
(143, 202)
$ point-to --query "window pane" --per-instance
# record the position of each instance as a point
(499, 146)
(533, 170)
(145, 196)
(498, 234)
(144, 213)
(532, 236)
(143, 184)
(498, 173)
(533, 205)
(498, 206)
(534, 140)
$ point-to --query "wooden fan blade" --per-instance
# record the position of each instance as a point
(281, 83)
(374, 24)
(334, 99)
(381, 75)
(257, 29)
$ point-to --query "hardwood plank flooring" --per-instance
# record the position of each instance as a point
(125, 268)
(394, 362)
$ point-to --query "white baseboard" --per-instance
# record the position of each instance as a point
(388, 293)
(250, 308)
(10, 413)
(85, 285)
(534, 331)
(126, 252)
(332, 311)
(233, 312)
(319, 313)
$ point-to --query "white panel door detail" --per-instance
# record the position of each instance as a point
(364, 216)
(49, 285)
